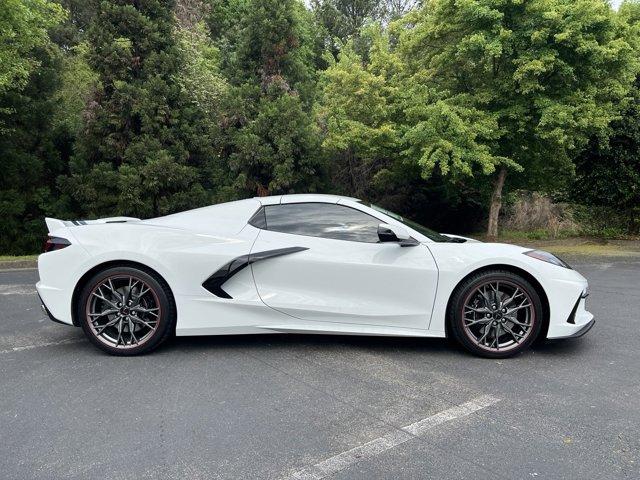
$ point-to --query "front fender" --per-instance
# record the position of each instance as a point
(455, 262)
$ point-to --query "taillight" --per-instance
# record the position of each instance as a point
(55, 243)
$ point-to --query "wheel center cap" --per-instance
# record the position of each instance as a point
(497, 315)
(124, 311)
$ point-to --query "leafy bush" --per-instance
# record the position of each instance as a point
(599, 221)
(535, 216)
(539, 216)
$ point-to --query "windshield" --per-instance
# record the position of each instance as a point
(427, 232)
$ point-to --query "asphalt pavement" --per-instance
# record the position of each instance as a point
(303, 406)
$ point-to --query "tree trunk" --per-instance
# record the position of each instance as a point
(496, 204)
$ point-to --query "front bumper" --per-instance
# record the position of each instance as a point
(581, 331)
(574, 324)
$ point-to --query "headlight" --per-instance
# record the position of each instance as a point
(547, 257)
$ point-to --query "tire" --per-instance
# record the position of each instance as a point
(495, 314)
(126, 311)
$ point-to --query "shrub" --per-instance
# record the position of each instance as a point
(539, 216)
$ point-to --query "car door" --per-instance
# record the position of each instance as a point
(331, 267)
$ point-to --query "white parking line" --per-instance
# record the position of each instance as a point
(381, 444)
(46, 344)
(25, 289)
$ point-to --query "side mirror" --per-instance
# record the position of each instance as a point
(393, 233)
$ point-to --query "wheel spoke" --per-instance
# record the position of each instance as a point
(509, 300)
(517, 322)
(145, 323)
(107, 325)
(478, 310)
(146, 310)
(475, 322)
(487, 302)
(516, 336)
(130, 290)
(131, 332)
(142, 293)
(105, 312)
(114, 292)
(104, 299)
(486, 332)
(515, 309)
(495, 291)
(119, 332)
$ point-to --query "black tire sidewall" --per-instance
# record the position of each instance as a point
(456, 320)
(167, 309)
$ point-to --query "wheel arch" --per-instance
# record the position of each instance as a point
(103, 266)
(518, 271)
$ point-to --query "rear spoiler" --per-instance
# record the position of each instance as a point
(55, 223)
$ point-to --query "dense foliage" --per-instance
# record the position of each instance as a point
(432, 108)
(608, 171)
(512, 85)
(23, 30)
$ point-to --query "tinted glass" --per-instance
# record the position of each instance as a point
(258, 219)
(324, 220)
(427, 232)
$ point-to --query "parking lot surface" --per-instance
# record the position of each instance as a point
(298, 406)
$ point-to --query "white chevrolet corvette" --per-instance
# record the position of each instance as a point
(305, 264)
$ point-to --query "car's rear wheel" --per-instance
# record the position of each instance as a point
(126, 310)
(496, 314)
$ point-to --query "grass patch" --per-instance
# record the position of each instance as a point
(17, 258)
(607, 250)
(570, 245)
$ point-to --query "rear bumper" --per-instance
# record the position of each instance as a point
(55, 302)
(59, 273)
(46, 311)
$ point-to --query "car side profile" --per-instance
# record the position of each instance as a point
(306, 264)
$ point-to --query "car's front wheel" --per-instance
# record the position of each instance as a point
(126, 310)
(496, 314)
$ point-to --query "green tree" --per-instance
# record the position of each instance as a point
(203, 84)
(29, 77)
(225, 23)
(23, 27)
(78, 83)
(270, 137)
(608, 171)
(361, 116)
(342, 20)
(358, 115)
(30, 155)
(145, 148)
(73, 30)
(498, 85)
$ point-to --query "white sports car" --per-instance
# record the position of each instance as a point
(305, 264)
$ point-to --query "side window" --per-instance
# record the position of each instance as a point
(259, 220)
(324, 220)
